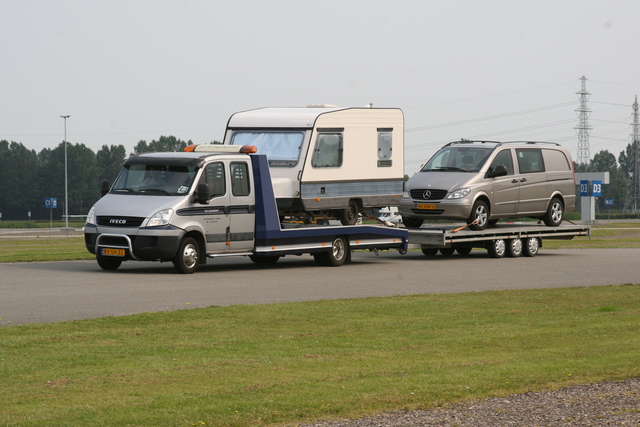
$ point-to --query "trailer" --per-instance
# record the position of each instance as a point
(209, 202)
(509, 239)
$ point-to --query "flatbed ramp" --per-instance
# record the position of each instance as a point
(502, 239)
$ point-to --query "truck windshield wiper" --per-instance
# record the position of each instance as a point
(450, 168)
(155, 190)
(128, 190)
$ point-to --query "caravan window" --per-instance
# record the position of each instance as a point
(328, 150)
(282, 148)
(385, 145)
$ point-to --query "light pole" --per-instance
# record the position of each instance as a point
(66, 188)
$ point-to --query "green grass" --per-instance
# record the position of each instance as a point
(290, 363)
(43, 248)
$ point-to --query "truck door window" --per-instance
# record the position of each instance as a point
(530, 160)
(213, 176)
(328, 151)
(240, 179)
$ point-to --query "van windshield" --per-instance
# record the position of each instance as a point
(458, 159)
(162, 180)
(282, 148)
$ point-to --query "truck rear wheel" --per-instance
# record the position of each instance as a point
(336, 256)
(186, 260)
(272, 259)
(108, 263)
(497, 248)
(349, 216)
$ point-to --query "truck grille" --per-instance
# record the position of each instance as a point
(120, 221)
(428, 194)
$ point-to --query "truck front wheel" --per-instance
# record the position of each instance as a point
(186, 260)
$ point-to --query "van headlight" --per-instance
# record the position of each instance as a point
(91, 216)
(406, 194)
(459, 193)
(161, 218)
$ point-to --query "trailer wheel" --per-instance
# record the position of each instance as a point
(553, 217)
(514, 248)
(497, 248)
(108, 263)
(479, 214)
(264, 259)
(412, 222)
(447, 251)
(464, 250)
(336, 256)
(349, 216)
(531, 246)
(429, 251)
(186, 260)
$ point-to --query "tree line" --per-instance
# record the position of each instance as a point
(27, 178)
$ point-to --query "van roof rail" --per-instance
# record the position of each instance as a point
(498, 143)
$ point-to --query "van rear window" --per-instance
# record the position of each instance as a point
(555, 161)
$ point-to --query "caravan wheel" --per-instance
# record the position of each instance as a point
(349, 216)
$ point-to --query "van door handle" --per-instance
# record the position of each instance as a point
(523, 179)
(514, 181)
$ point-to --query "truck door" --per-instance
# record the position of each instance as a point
(214, 217)
(242, 208)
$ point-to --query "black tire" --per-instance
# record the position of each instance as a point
(447, 251)
(553, 217)
(497, 248)
(412, 222)
(479, 218)
(108, 263)
(514, 248)
(336, 256)
(429, 251)
(349, 216)
(264, 259)
(464, 250)
(187, 259)
(530, 246)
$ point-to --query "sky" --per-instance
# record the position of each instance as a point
(131, 70)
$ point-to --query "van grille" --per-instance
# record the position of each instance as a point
(120, 221)
(419, 194)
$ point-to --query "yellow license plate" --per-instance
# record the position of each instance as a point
(423, 206)
(112, 252)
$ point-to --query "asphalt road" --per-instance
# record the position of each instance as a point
(57, 291)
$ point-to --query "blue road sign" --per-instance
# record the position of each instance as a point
(50, 203)
(596, 188)
(584, 188)
(608, 202)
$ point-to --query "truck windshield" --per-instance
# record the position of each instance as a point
(458, 159)
(282, 148)
(163, 180)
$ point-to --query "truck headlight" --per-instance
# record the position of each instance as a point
(459, 193)
(161, 218)
(91, 216)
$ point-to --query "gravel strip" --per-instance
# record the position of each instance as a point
(615, 403)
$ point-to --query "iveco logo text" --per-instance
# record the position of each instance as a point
(427, 194)
(117, 221)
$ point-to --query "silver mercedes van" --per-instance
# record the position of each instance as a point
(483, 181)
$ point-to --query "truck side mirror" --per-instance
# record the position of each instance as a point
(500, 170)
(202, 193)
(104, 187)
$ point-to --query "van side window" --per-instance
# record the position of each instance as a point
(213, 176)
(328, 150)
(503, 158)
(240, 179)
(555, 161)
(530, 160)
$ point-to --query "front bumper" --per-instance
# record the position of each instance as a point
(145, 244)
(445, 208)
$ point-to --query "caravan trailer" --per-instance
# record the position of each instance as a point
(327, 161)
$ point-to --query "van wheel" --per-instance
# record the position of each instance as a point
(349, 216)
(412, 222)
(336, 256)
(479, 214)
(514, 248)
(531, 246)
(108, 263)
(497, 248)
(186, 260)
(553, 217)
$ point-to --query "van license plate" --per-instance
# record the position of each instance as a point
(423, 206)
(112, 252)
